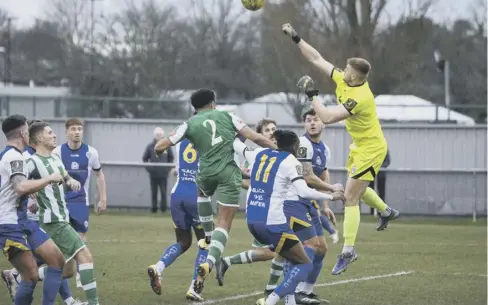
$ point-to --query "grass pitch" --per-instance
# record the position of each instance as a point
(431, 262)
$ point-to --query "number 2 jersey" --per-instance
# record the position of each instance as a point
(212, 133)
(186, 169)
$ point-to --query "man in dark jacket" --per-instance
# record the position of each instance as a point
(381, 180)
(158, 175)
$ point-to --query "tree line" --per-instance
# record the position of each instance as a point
(145, 49)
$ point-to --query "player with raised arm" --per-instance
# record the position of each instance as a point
(18, 235)
(212, 133)
(183, 206)
(12, 277)
(261, 252)
(80, 160)
(368, 150)
(53, 210)
(273, 173)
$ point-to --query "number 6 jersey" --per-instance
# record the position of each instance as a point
(186, 169)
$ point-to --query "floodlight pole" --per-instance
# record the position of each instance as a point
(447, 88)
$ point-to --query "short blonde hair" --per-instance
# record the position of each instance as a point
(360, 64)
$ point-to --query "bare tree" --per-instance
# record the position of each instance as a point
(74, 20)
(221, 40)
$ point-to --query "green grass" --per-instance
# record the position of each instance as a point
(446, 258)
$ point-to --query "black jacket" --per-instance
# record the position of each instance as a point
(150, 157)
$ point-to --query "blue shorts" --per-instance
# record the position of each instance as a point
(278, 237)
(299, 215)
(36, 238)
(315, 214)
(79, 213)
(21, 237)
(184, 212)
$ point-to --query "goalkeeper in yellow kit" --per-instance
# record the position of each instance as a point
(368, 150)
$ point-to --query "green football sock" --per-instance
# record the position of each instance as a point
(246, 257)
(275, 273)
(219, 240)
(87, 277)
(205, 213)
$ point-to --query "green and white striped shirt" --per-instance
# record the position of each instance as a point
(51, 199)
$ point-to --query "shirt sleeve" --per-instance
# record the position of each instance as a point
(16, 165)
(237, 121)
(57, 151)
(327, 156)
(94, 159)
(245, 151)
(337, 75)
(30, 167)
(293, 168)
(179, 133)
(305, 151)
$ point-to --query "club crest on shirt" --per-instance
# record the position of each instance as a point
(302, 152)
(353, 170)
(300, 170)
(88, 154)
(17, 166)
(350, 104)
(75, 165)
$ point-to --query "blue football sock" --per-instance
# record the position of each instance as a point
(170, 254)
(200, 259)
(64, 290)
(51, 284)
(24, 295)
(327, 225)
(318, 262)
(294, 275)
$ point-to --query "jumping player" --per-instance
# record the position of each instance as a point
(212, 133)
(368, 150)
(18, 235)
(80, 159)
(272, 175)
(183, 207)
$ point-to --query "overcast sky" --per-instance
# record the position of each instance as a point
(26, 11)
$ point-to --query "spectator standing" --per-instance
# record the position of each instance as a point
(158, 176)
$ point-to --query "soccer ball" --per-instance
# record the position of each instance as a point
(253, 5)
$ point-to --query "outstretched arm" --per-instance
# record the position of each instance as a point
(163, 144)
(314, 181)
(330, 115)
(310, 54)
(257, 138)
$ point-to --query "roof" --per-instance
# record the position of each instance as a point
(34, 91)
(412, 108)
(400, 108)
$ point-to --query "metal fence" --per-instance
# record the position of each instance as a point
(177, 107)
(413, 192)
(411, 146)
